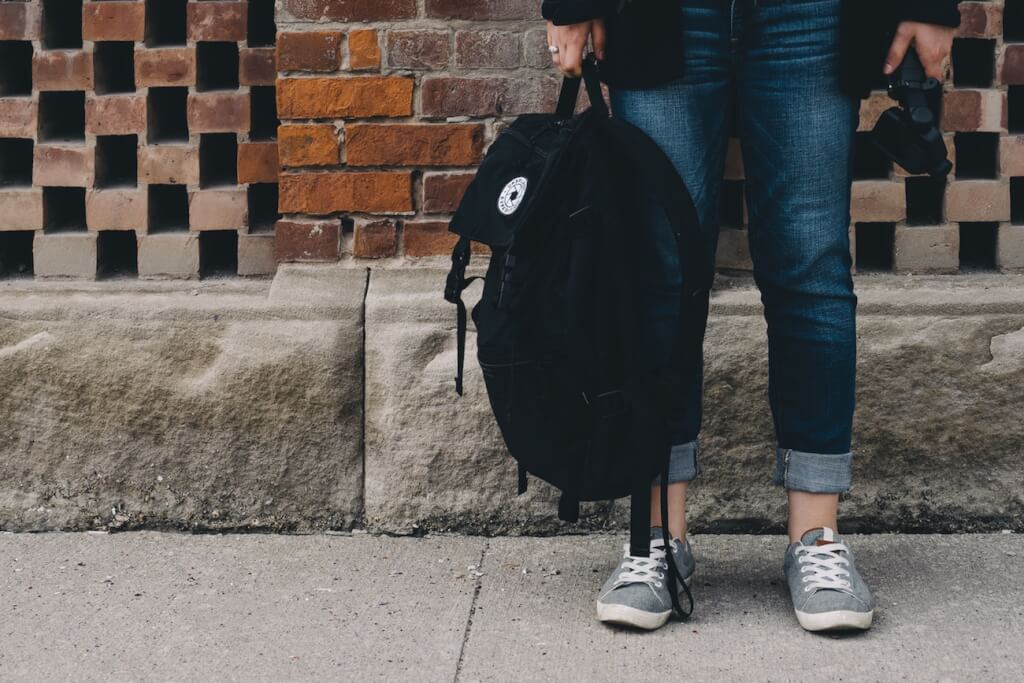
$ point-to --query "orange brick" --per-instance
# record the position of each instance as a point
(114, 21)
(57, 166)
(257, 162)
(376, 239)
(308, 145)
(165, 66)
(324, 193)
(363, 49)
(309, 51)
(414, 145)
(328, 98)
(427, 238)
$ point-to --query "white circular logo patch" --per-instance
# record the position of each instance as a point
(512, 196)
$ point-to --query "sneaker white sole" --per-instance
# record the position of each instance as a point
(623, 615)
(835, 621)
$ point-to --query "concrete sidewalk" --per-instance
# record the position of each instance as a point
(161, 606)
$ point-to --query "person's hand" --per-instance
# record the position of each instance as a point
(571, 41)
(933, 44)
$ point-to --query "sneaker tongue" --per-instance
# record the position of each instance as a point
(819, 536)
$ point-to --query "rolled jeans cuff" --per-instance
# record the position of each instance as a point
(812, 472)
(684, 465)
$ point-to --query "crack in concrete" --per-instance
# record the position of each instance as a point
(472, 611)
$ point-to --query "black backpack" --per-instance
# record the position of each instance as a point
(581, 401)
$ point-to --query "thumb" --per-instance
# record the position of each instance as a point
(599, 35)
(898, 50)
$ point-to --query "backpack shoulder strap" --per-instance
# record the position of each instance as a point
(457, 283)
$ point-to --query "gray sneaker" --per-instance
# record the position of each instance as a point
(828, 593)
(636, 594)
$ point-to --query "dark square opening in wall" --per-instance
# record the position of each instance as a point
(16, 253)
(925, 199)
(218, 253)
(974, 62)
(61, 116)
(168, 208)
(731, 204)
(218, 159)
(875, 246)
(978, 246)
(166, 22)
(217, 66)
(1013, 20)
(263, 215)
(868, 161)
(167, 114)
(62, 24)
(113, 67)
(1017, 201)
(977, 155)
(117, 161)
(117, 254)
(64, 209)
(15, 68)
(1015, 108)
(262, 29)
(264, 122)
(15, 162)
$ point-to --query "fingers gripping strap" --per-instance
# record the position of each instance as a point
(571, 90)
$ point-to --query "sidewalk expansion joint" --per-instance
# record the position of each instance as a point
(478, 585)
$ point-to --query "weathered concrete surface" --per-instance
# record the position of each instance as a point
(949, 608)
(939, 439)
(219, 404)
(165, 606)
(146, 606)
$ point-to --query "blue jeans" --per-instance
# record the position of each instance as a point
(777, 63)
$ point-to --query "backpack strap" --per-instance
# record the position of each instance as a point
(457, 283)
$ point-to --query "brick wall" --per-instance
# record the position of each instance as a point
(137, 137)
(386, 107)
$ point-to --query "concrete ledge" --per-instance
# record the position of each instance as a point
(223, 404)
(939, 439)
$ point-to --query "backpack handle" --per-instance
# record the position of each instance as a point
(571, 90)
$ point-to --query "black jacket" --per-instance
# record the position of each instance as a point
(645, 46)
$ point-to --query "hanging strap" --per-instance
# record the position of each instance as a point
(675, 577)
(456, 284)
(570, 92)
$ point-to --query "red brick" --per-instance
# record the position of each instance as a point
(535, 48)
(427, 238)
(307, 240)
(19, 21)
(312, 51)
(308, 145)
(217, 112)
(350, 10)
(324, 193)
(21, 209)
(418, 49)
(62, 70)
(169, 164)
(980, 20)
(222, 21)
(114, 21)
(444, 96)
(487, 49)
(1013, 65)
(373, 144)
(363, 49)
(165, 66)
(363, 96)
(973, 110)
(376, 239)
(220, 209)
(442, 192)
(63, 166)
(482, 9)
(18, 117)
(257, 66)
(116, 209)
(1011, 156)
(257, 162)
(116, 114)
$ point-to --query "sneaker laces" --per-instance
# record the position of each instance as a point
(649, 570)
(823, 567)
